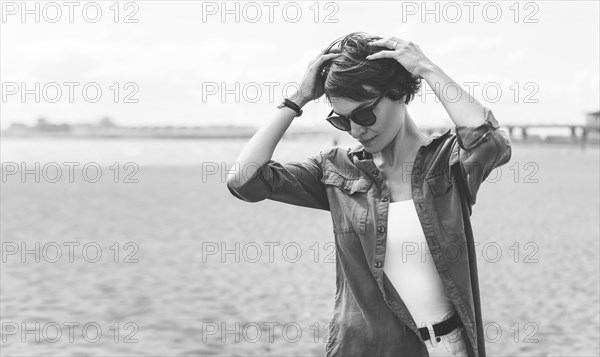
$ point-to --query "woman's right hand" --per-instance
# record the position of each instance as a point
(311, 87)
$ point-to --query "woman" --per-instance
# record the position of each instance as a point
(400, 201)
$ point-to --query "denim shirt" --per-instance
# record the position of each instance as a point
(369, 317)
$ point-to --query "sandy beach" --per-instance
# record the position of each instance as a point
(186, 269)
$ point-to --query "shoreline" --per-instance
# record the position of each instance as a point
(552, 140)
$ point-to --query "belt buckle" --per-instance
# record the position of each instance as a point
(432, 334)
(429, 330)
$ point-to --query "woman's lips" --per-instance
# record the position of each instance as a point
(368, 141)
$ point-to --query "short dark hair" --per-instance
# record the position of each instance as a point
(343, 76)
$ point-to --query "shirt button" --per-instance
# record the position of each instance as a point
(375, 172)
(377, 264)
(381, 229)
(438, 339)
(384, 199)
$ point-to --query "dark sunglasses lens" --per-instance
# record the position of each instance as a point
(364, 117)
(340, 122)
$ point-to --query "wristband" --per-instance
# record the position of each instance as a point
(288, 103)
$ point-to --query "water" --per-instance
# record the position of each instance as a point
(146, 152)
(156, 284)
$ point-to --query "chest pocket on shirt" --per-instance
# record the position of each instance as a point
(349, 205)
(439, 182)
(349, 186)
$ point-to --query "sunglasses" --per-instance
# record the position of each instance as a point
(364, 116)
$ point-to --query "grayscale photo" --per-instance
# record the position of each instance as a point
(299, 178)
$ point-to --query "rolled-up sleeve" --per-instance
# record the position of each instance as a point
(297, 183)
(479, 150)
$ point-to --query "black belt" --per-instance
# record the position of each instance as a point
(442, 328)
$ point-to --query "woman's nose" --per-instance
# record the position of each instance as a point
(356, 130)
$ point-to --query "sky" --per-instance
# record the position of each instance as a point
(189, 63)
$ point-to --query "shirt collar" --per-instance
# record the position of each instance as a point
(360, 152)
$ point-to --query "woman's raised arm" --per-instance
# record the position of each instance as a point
(261, 146)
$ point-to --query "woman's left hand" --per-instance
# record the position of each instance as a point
(407, 53)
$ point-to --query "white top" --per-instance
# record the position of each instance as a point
(410, 267)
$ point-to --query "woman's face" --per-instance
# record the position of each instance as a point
(389, 116)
